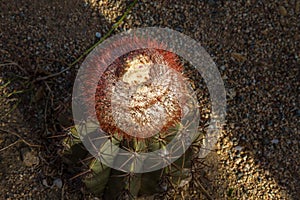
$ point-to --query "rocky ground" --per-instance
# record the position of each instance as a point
(255, 45)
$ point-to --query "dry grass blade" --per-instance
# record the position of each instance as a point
(203, 190)
(80, 174)
(21, 139)
(116, 25)
(13, 64)
(11, 145)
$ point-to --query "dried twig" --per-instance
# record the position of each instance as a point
(12, 144)
(53, 75)
(21, 139)
(203, 190)
(14, 64)
(80, 174)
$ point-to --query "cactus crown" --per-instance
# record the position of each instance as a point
(138, 95)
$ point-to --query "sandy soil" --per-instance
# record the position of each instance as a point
(255, 45)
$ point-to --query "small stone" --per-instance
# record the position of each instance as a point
(49, 45)
(282, 11)
(39, 94)
(211, 2)
(185, 181)
(231, 93)
(240, 175)
(58, 183)
(45, 183)
(265, 32)
(298, 113)
(164, 186)
(274, 141)
(238, 148)
(238, 161)
(98, 35)
(86, 4)
(267, 173)
(238, 57)
(29, 158)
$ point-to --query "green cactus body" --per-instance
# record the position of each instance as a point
(113, 184)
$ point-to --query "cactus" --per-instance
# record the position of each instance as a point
(141, 121)
(113, 184)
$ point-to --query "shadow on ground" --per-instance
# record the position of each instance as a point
(37, 39)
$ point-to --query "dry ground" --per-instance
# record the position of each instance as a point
(254, 43)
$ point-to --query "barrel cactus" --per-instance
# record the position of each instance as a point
(140, 102)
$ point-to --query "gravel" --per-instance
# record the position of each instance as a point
(255, 44)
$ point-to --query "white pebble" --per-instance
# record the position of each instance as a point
(98, 35)
(58, 183)
(238, 148)
(275, 141)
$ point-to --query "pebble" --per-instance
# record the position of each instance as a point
(282, 11)
(39, 94)
(29, 158)
(98, 35)
(238, 161)
(274, 141)
(45, 183)
(58, 183)
(238, 57)
(238, 148)
(85, 4)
